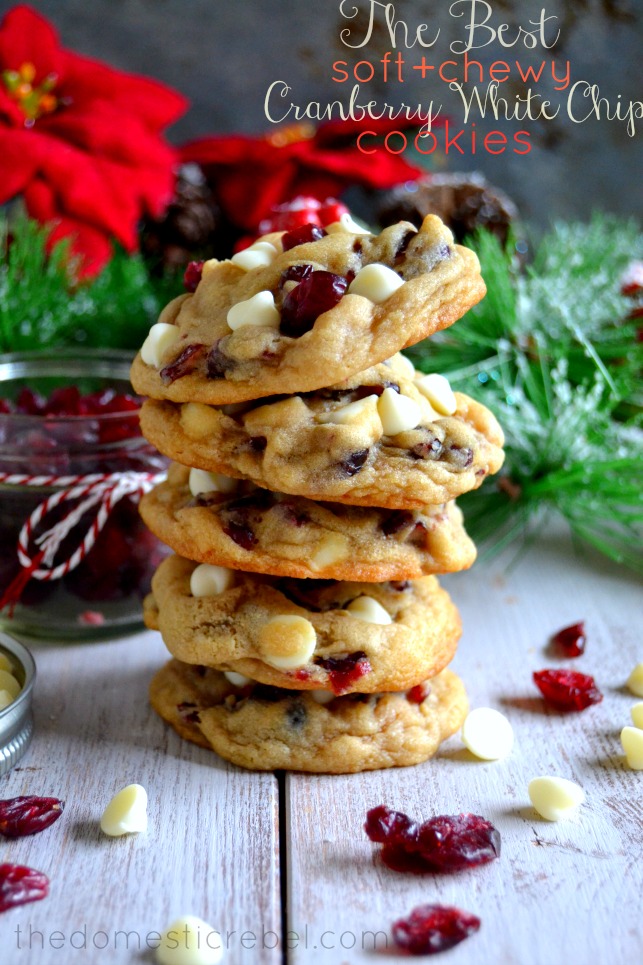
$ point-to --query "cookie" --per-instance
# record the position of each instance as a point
(307, 317)
(304, 634)
(374, 440)
(264, 532)
(265, 728)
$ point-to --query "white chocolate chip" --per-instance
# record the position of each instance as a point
(375, 282)
(287, 641)
(397, 412)
(635, 680)
(360, 411)
(487, 733)
(5, 663)
(236, 679)
(259, 255)
(210, 580)
(190, 941)
(555, 797)
(437, 389)
(322, 696)
(367, 609)
(637, 714)
(5, 699)
(126, 813)
(632, 741)
(330, 549)
(406, 365)
(260, 310)
(160, 338)
(8, 682)
(346, 223)
(201, 481)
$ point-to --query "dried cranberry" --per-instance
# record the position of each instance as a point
(434, 928)
(344, 671)
(240, 532)
(313, 296)
(183, 364)
(567, 689)
(418, 694)
(192, 275)
(402, 245)
(301, 235)
(296, 714)
(442, 844)
(63, 402)
(385, 826)
(29, 402)
(27, 814)
(431, 449)
(571, 640)
(352, 465)
(257, 443)
(460, 456)
(295, 273)
(20, 885)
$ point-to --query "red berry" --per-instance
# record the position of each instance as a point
(20, 885)
(571, 640)
(344, 671)
(302, 235)
(192, 275)
(313, 296)
(331, 211)
(434, 928)
(567, 689)
(442, 844)
(183, 364)
(24, 815)
(417, 695)
(29, 403)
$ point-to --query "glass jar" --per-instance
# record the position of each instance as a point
(103, 594)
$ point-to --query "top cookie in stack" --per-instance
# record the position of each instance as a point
(311, 450)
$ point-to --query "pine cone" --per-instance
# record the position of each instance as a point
(463, 201)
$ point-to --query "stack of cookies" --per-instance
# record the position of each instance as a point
(311, 498)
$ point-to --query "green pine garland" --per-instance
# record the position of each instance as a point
(552, 353)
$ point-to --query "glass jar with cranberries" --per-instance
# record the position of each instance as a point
(69, 420)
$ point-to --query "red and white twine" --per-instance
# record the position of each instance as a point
(102, 489)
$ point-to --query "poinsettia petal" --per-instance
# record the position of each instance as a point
(91, 246)
(19, 162)
(87, 81)
(27, 38)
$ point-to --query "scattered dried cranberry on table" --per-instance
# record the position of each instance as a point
(19, 885)
(571, 640)
(434, 928)
(567, 689)
(442, 844)
(28, 814)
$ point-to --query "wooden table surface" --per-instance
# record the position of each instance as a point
(282, 867)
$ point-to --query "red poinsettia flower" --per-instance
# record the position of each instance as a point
(250, 175)
(79, 141)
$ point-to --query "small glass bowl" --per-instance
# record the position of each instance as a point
(102, 596)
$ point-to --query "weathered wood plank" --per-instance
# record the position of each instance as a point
(560, 893)
(211, 848)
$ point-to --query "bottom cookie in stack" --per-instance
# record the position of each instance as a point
(310, 675)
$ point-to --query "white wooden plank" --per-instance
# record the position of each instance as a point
(560, 893)
(211, 848)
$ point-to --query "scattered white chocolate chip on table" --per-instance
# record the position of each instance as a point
(207, 579)
(260, 310)
(126, 813)
(487, 734)
(632, 741)
(367, 609)
(375, 282)
(636, 713)
(190, 941)
(555, 797)
(160, 338)
(635, 681)
(287, 641)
